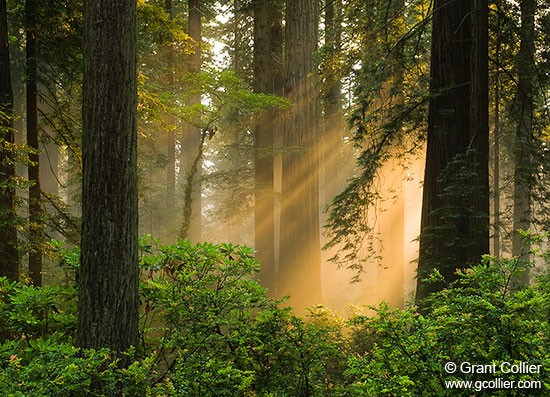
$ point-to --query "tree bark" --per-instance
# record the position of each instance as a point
(108, 275)
(455, 206)
(496, 141)
(478, 225)
(300, 252)
(36, 232)
(9, 257)
(268, 54)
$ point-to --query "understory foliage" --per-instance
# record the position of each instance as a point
(208, 329)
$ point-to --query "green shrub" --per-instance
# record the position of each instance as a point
(211, 324)
(36, 311)
(479, 320)
(208, 329)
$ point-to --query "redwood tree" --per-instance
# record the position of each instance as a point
(268, 54)
(108, 275)
(300, 253)
(9, 258)
(36, 232)
(455, 206)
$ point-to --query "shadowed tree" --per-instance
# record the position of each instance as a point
(108, 275)
(524, 167)
(36, 231)
(9, 258)
(455, 206)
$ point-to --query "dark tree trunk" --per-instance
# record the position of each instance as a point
(478, 225)
(108, 276)
(268, 54)
(455, 207)
(36, 232)
(300, 252)
(496, 140)
(9, 258)
(523, 145)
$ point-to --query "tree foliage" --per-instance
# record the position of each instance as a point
(387, 67)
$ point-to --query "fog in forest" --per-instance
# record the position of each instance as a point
(197, 160)
(228, 215)
(390, 275)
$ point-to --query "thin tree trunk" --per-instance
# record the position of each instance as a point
(496, 139)
(108, 275)
(300, 251)
(523, 161)
(268, 54)
(36, 233)
(170, 208)
(478, 226)
(9, 257)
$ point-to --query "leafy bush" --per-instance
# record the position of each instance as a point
(479, 320)
(35, 311)
(217, 334)
(208, 329)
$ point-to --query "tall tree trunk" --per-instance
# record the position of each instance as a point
(523, 159)
(36, 233)
(108, 275)
(170, 120)
(9, 257)
(478, 226)
(300, 252)
(496, 140)
(455, 206)
(268, 69)
(193, 141)
(331, 140)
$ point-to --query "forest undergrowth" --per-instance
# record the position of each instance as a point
(208, 329)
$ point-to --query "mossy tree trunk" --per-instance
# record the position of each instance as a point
(171, 122)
